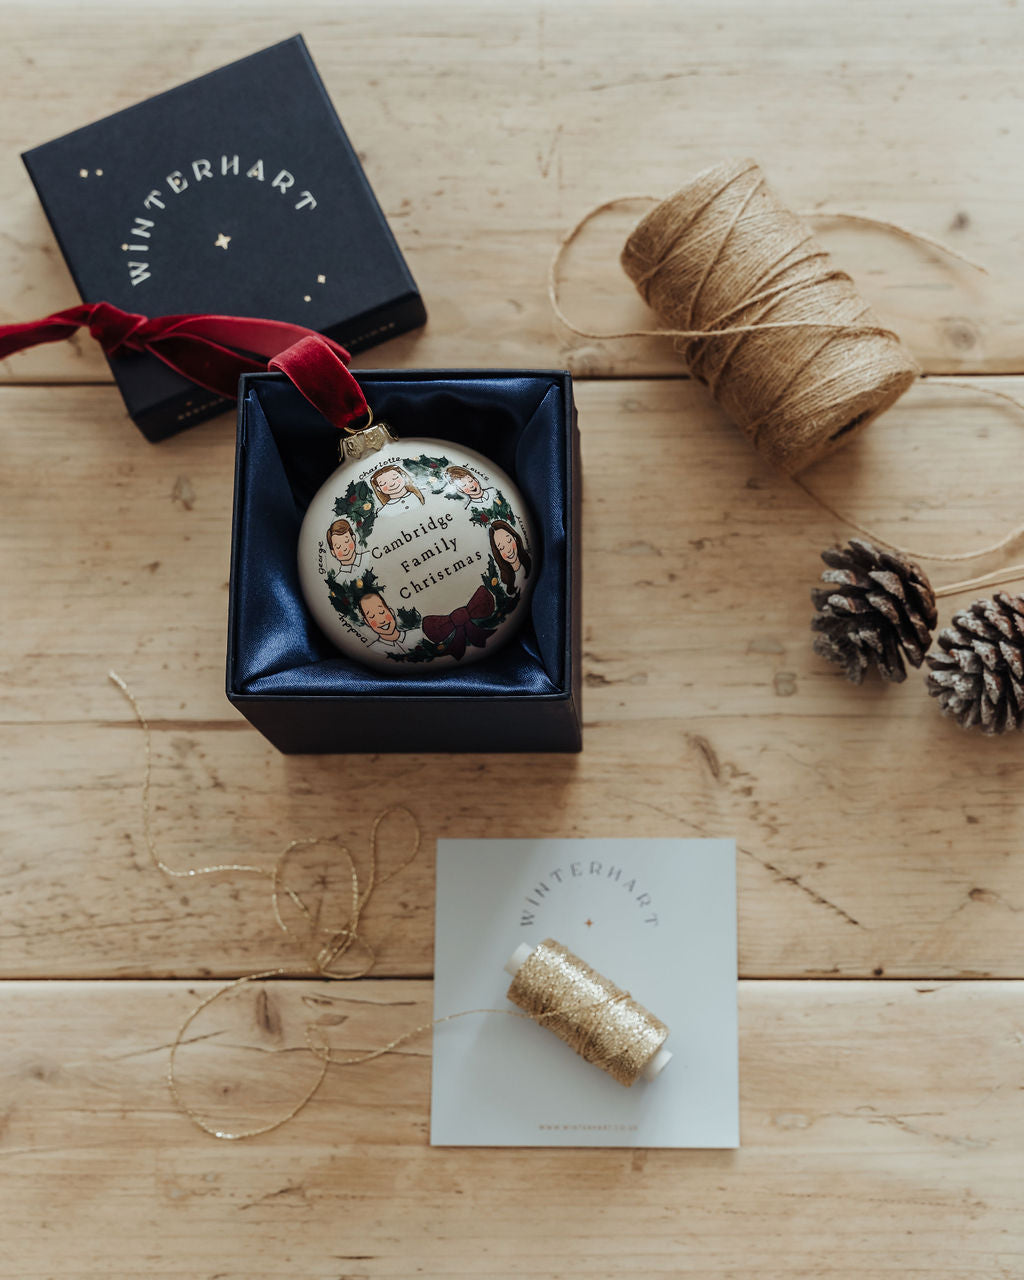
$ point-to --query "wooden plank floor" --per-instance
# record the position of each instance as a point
(881, 1136)
(881, 873)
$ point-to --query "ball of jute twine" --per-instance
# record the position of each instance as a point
(780, 336)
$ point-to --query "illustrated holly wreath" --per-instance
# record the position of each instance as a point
(498, 510)
(345, 594)
(357, 505)
(430, 470)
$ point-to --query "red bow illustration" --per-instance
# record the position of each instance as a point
(453, 631)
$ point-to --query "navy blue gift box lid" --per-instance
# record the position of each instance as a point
(288, 679)
(235, 194)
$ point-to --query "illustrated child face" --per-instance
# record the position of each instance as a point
(391, 483)
(343, 547)
(378, 616)
(506, 545)
(470, 486)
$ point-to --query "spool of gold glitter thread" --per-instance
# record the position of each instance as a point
(597, 1019)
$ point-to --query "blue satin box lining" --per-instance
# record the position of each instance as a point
(286, 449)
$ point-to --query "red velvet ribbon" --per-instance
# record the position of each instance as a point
(208, 350)
(323, 377)
(454, 630)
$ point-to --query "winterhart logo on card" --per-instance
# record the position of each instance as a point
(178, 181)
(589, 870)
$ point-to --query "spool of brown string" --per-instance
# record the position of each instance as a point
(810, 366)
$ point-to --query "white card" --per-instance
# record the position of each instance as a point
(657, 917)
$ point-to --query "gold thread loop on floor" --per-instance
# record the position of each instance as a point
(330, 945)
(610, 1052)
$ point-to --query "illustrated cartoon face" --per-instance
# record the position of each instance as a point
(378, 616)
(470, 486)
(506, 545)
(391, 483)
(343, 546)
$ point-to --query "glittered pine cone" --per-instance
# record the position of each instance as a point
(978, 677)
(877, 609)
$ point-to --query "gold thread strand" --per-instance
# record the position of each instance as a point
(197, 1119)
(331, 946)
(147, 826)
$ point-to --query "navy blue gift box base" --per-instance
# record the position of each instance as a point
(290, 682)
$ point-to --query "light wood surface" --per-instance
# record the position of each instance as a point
(874, 834)
(881, 881)
(881, 1133)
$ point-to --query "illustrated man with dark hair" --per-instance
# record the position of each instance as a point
(388, 635)
(466, 482)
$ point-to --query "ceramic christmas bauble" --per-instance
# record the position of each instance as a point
(418, 553)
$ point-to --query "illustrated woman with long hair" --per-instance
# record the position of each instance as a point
(510, 555)
(395, 491)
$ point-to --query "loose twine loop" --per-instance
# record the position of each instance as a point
(596, 1018)
(762, 317)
